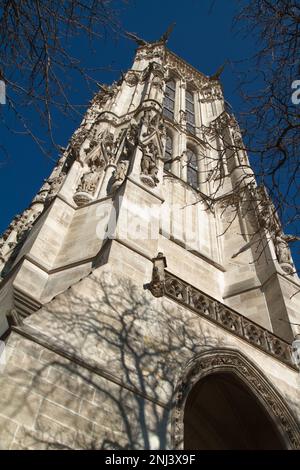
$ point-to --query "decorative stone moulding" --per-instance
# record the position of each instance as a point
(151, 104)
(287, 268)
(132, 78)
(233, 362)
(81, 198)
(185, 71)
(232, 321)
(148, 180)
(150, 51)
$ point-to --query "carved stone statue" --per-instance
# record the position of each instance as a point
(107, 92)
(87, 186)
(119, 174)
(132, 134)
(43, 193)
(156, 285)
(77, 141)
(283, 252)
(56, 184)
(109, 147)
(89, 181)
(132, 78)
(151, 121)
(149, 164)
(129, 141)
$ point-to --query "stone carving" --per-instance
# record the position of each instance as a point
(149, 164)
(282, 249)
(132, 78)
(162, 130)
(110, 117)
(283, 252)
(151, 121)
(89, 181)
(267, 219)
(107, 92)
(278, 347)
(56, 184)
(129, 144)
(236, 133)
(132, 134)
(185, 71)
(157, 283)
(88, 184)
(150, 51)
(228, 319)
(109, 147)
(182, 117)
(211, 92)
(200, 302)
(119, 174)
(254, 334)
(77, 142)
(176, 289)
(264, 214)
(157, 81)
(237, 139)
(225, 360)
(225, 317)
(157, 72)
(43, 193)
(16, 233)
(153, 125)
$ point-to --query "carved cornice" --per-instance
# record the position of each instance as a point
(225, 360)
(209, 89)
(225, 317)
(150, 51)
(186, 71)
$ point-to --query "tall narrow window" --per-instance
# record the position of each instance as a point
(168, 153)
(192, 168)
(169, 100)
(190, 112)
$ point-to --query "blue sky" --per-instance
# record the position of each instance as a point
(204, 37)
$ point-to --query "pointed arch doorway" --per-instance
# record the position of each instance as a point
(224, 402)
(221, 413)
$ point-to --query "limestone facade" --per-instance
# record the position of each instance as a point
(148, 256)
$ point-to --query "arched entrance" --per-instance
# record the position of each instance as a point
(221, 413)
(224, 402)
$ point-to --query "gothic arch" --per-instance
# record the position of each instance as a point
(233, 362)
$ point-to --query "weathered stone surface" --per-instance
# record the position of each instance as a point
(101, 343)
(7, 431)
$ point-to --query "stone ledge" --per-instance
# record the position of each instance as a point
(227, 318)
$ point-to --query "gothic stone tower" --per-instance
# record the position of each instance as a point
(147, 292)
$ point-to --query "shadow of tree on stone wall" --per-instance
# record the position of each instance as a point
(128, 350)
